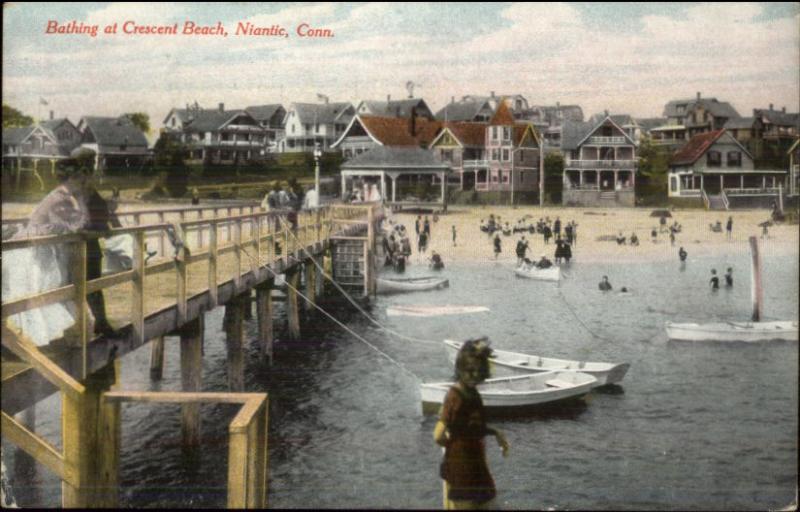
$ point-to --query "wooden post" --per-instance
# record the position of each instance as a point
(247, 305)
(234, 334)
(157, 359)
(311, 288)
(237, 278)
(162, 235)
(138, 290)
(200, 229)
(264, 313)
(212, 265)
(81, 316)
(756, 290)
(292, 312)
(91, 440)
(181, 284)
(191, 379)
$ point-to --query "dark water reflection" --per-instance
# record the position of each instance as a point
(693, 426)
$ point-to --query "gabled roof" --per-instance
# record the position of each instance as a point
(210, 120)
(462, 110)
(777, 117)
(698, 145)
(17, 135)
(395, 108)
(394, 131)
(717, 108)
(502, 116)
(263, 112)
(568, 112)
(383, 157)
(52, 124)
(738, 123)
(322, 113)
(182, 113)
(573, 132)
(114, 131)
(521, 129)
(466, 134)
(595, 127)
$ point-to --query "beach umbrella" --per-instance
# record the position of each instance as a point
(660, 213)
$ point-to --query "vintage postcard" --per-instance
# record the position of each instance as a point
(400, 256)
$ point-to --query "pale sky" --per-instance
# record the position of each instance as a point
(626, 58)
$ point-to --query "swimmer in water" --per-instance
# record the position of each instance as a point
(714, 282)
(682, 254)
(729, 278)
(604, 284)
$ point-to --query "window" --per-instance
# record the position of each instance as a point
(495, 155)
(173, 121)
(673, 184)
(713, 159)
(292, 128)
(734, 158)
(505, 177)
(316, 128)
(522, 156)
(506, 155)
(506, 133)
(494, 133)
(521, 176)
(447, 155)
(494, 178)
(308, 127)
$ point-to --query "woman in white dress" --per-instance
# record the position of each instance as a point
(32, 270)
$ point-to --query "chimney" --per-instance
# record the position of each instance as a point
(770, 106)
(222, 107)
(606, 112)
(558, 105)
(52, 114)
(783, 110)
(492, 94)
(452, 99)
(388, 98)
(412, 124)
(698, 95)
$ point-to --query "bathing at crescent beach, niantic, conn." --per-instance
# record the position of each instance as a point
(400, 256)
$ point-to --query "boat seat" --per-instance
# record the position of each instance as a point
(559, 383)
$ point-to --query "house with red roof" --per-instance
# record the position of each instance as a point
(715, 168)
(599, 163)
(365, 132)
(501, 156)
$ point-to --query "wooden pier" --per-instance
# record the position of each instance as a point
(222, 259)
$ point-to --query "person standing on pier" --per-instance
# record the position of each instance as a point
(418, 225)
(497, 246)
(557, 227)
(468, 484)
(454, 235)
(426, 228)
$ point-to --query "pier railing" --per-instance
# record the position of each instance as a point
(192, 268)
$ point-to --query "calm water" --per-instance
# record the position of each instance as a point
(694, 426)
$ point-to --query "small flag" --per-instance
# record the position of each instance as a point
(42, 101)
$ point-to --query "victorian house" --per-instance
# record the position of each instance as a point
(686, 118)
(270, 118)
(717, 170)
(599, 164)
(308, 125)
(502, 155)
(471, 110)
(218, 136)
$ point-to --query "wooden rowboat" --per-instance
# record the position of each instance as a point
(414, 284)
(542, 274)
(427, 311)
(518, 391)
(733, 331)
(515, 363)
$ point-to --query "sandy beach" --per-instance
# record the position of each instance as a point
(595, 225)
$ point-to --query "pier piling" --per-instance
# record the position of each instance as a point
(191, 379)
(310, 271)
(292, 311)
(234, 335)
(264, 314)
(157, 359)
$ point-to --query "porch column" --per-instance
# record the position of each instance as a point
(383, 186)
(633, 179)
(597, 183)
(344, 185)
(616, 179)
(763, 182)
(741, 181)
(394, 188)
(444, 188)
(701, 183)
(580, 178)
(721, 182)
(461, 179)
(773, 182)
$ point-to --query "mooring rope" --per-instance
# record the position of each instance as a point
(340, 324)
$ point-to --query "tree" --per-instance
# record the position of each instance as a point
(169, 158)
(554, 176)
(651, 182)
(140, 120)
(13, 118)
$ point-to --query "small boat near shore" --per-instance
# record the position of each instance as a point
(748, 332)
(413, 284)
(518, 391)
(428, 311)
(516, 363)
(541, 274)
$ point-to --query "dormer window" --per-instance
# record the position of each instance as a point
(734, 158)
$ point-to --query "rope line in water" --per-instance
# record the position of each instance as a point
(340, 324)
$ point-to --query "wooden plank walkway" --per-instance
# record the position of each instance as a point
(238, 249)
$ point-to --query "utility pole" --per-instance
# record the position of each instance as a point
(541, 170)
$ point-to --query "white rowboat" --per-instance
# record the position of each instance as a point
(516, 363)
(413, 284)
(733, 331)
(427, 311)
(541, 274)
(519, 391)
